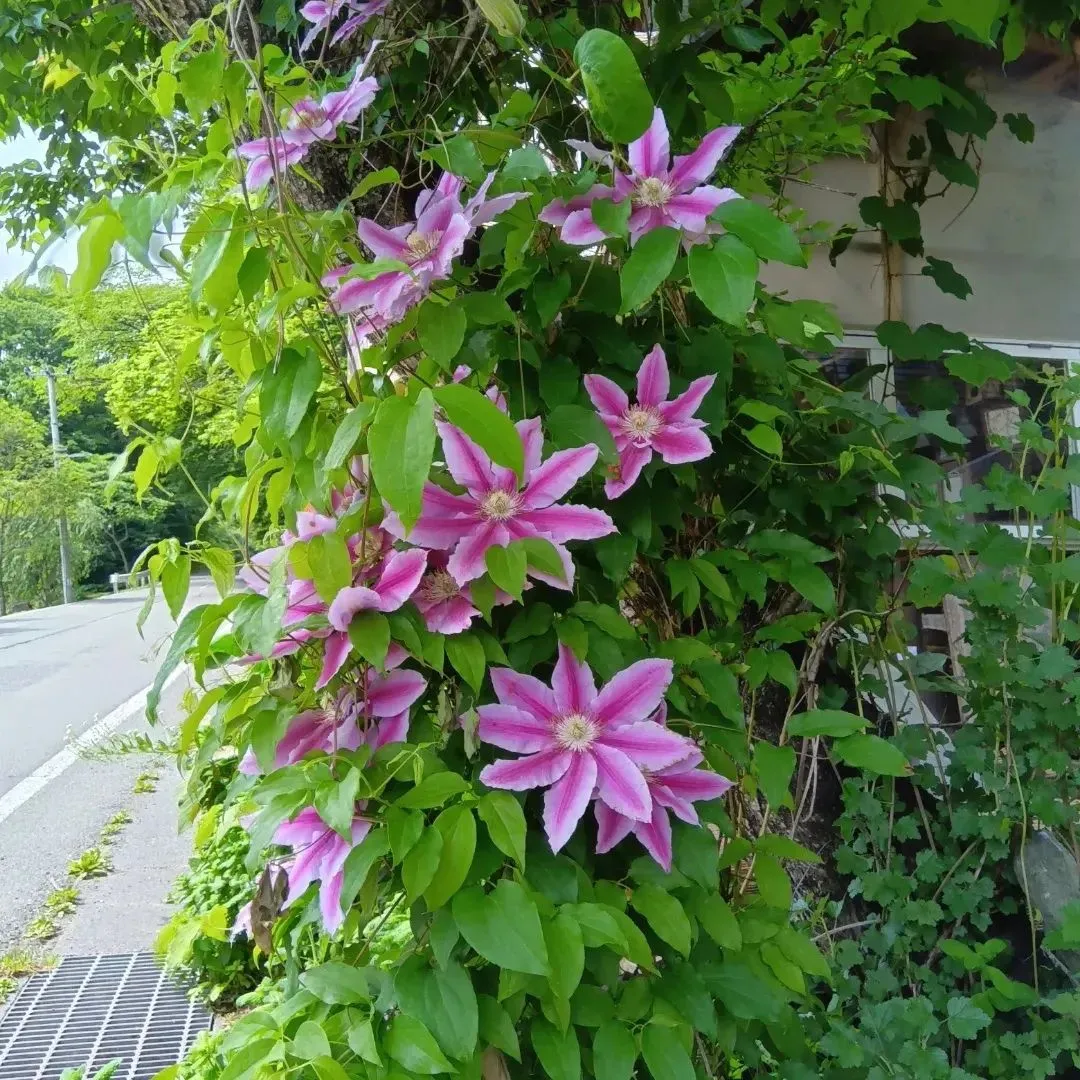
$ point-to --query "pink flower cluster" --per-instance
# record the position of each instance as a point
(322, 13)
(663, 193)
(606, 746)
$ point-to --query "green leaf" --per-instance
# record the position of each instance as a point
(337, 983)
(369, 633)
(665, 1055)
(574, 425)
(980, 366)
(310, 1041)
(800, 950)
(773, 766)
(873, 754)
(648, 266)
(832, 722)
(183, 638)
(766, 439)
(372, 180)
(611, 217)
(443, 1001)
(487, 425)
(358, 865)
(362, 1040)
(403, 828)
(215, 270)
(947, 278)
(559, 1052)
(419, 866)
(95, 252)
(526, 163)
(433, 790)
(336, 802)
(175, 578)
(503, 926)
(458, 156)
(783, 847)
(457, 826)
(965, 1018)
(200, 80)
(764, 233)
(507, 566)
(722, 687)
(328, 562)
(326, 1068)
(286, 392)
(813, 583)
(497, 1028)
(401, 444)
(563, 937)
(724, 276)
(618, 97)
(1020, 123)
(466, 653)
(541, 555)
(441, 330)
(607, 618)
(411, 1045)
(774, 885)
(347, 435)
(664, 914)
(505, 821)
(614, 1052)
(719, 922)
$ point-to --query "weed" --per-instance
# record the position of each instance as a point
(146, 783)
(17, 964)
(42, 928)
(116, 825)
(90, 864)
(62, 902)
(7, 988)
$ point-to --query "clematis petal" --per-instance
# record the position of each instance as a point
(677, 444)
(644, 220)
(569, 522)
(566, 801)
(653, 382)
(449, 616)
(696, 785)
(468, 464)
(467, 562)
(259, 173)
(566, 582)
(655, 837)
(590, 152)
(514, 729)
(650, 154)
(681, 409)
(388, 695)
(330, 902)
(383, 243)
(572, 682)
(335, 652)
(521, 774)
(610, 827)
(608, 397)
(648, 745)
(689, 170)
(391, 730)
(524, 692)
(399, 578)
(580, 230)
(532, 442)
(634, 693)
(631, 461)
(691, 211)
(621, 784)
(556, 476)
(349, 602)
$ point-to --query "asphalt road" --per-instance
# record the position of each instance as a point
(61, 670)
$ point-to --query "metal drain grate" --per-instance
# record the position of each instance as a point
(90, 1010)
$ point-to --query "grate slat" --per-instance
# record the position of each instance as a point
(90, 1010)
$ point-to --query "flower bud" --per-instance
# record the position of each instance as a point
(504, 15)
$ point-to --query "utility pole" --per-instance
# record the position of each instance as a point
(65, 540)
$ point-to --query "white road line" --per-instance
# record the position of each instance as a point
(60, 762)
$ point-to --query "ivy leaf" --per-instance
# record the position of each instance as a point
(665, 1055)
(401, 444)
(832, 722)
(872, 753)
(441, 330)
(724, 276)
(947, 278)
(286, 392)
(764, 233)
(487, 425)
(503, 926)
(411, 1045)
(1020, 124)
(559, 1052)
(505, 821)
(457, 826)
(618, 98)
(965, 1018)
(664, 914)
(614, 1052)
(648, 266)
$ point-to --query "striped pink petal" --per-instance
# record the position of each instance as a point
(609, 398)
(653, 382)
(514, 729)
(648, 745)
(677, 444)
(524, 692)
(682, 408)
(388, 695)
(650, 154)
(621, 784)
(689, 170)
(580, 230)
(467, 563)
(335, 653)
(566, 801)
(655, 837)
(349, 602)
(631, 461)
(399, 578)
(572, 683)
(556, 476)
(634, 693)
(611, 827)
(468, 464)
(521, 774)
(569, 522)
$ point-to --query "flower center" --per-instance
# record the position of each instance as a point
(421, 245)
(439, 586)
(308, 115)
(641, 423)
(652, 191)
(500, 505)
(575, 732)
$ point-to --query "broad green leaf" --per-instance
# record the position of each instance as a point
(773, 767)
(433, 790)
(95, 251)
(310, 1041)
(362, 1039)
(612, 217)
(328, 563)
(559, 1052)
(253, 273)
(175, 578)
(947, 278)
(800, 950)
(722, 687)
(403, 829)
(783, 847)
(563, 937)
(648, 266)
(503, 926)
(832, 722)
(411, 1045)
(497, 1028)
(507, 566)
(665, 1055)
(441, 330)
(459, 156)
(965, 1018)
(505, 821)
(618, 97)
(457, 826)
(466, 653)
(724, 276)
(766, 439)
(215, 270)
(872, 753)
(443, 1001)
(664, 914)
(372, 180)
(336, 802)
(337, 983)
(719, 922)
(980, 366)
(774, 885)
(183, 638)
(542, 555)
(419, 866)
(369, 633)
(570, 426)
(614, 1052)
(346, 436)
(764, 233)
(286, 392)
(607, 618)
(358, 865)
(813, 583)
(200, 80)
(487, 425)
(401, 443)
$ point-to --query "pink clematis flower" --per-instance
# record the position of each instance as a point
(479, 210)
(310, 121)
(493, 512)
(322, 13)
(577, 741)
(675, 788)
(268, 157)
(652, 423)
(319, 854)
(663, 192)
(446, 606)
(574, 215)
